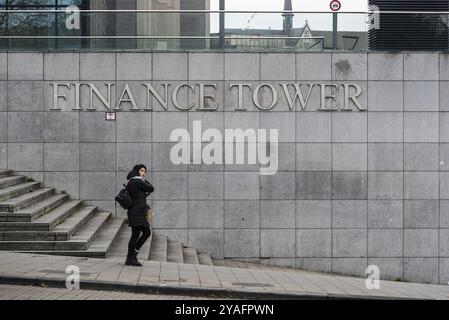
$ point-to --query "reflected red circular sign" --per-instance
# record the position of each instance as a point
(335, 5)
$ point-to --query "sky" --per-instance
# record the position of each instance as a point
(321, 21)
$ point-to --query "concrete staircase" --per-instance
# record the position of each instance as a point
(39, 220)
(160, 248)
(166, 250)
(34, 219)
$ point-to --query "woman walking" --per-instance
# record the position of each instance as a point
(139, 189)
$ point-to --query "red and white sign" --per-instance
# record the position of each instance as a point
(335, 5)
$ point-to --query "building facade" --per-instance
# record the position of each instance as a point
(366, 183)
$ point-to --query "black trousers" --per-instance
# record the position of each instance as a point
(139, 235)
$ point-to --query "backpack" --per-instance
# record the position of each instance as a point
(124, 198)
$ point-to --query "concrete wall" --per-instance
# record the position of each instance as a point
(353, 189)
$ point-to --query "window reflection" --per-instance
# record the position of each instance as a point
(122, 26)
(34, 24)
(104, 24)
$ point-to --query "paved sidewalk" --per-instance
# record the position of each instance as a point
(16, 292)
(200, 280)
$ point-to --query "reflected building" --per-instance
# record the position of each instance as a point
(303, 38)
(288, 17)
(152, 31)
(173, 25)
(53, 24)
(115, 26)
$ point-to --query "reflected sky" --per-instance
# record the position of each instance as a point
(348, 22)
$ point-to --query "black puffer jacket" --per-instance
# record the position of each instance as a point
(138, 190)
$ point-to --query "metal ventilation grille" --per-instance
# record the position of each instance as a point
(423, 31)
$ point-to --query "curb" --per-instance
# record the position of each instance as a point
(185, 291)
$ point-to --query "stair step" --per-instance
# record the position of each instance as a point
(62, 232)
(101, 245)
(146, 248)
(190, 255)
(17, 190)
(174, 252)
(5, 173)
(76, 224)
(158, 250)
(26, 200)
(205, 259)
(81, 240)
(59, 214)
(35, 211)
(120, 247)
(47, 222)
(219, 262)
(9, 181)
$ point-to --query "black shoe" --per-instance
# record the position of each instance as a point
(136, 262)
(132, 261)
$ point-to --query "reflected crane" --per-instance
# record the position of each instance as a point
(248, 23)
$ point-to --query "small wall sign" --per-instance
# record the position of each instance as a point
(110, 116)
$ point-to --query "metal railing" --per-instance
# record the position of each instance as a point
(102, 29)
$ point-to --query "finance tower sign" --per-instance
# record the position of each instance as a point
(332, 96)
